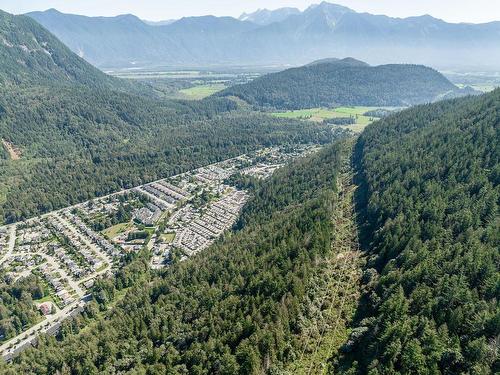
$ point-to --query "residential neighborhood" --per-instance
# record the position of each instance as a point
(173, 218)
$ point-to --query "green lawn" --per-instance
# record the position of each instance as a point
(103, 266)
(47, 298)
(168, 237)
(150, 230)
(115, 230)
(202, 91)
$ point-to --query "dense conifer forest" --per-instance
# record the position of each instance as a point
(92, 147)
(17, 310)
(427, 206)
(345, 82)
(430, 182)
(231, 309)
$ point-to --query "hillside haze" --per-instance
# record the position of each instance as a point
(283, 36)
(30, 54)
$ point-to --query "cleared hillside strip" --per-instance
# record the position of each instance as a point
(274, 296)
(430, 177)
(334, 290)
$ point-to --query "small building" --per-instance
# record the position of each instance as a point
(46, 308)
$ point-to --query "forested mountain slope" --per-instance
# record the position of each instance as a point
(29, 54)
(231, 309)
(80, 133)
(430, 178)
(428, 211)
(345, 82)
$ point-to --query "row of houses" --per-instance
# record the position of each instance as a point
(148, 215)
(198, 233)
(173, 193)
(97, 207)
(74, 261)
(33, 235)
(159, 199)
(213, 174)
(95, 237)
(55, 280)
(20, 265)
(72, 266)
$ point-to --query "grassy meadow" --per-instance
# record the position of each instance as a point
(320, 114)
(202, 91)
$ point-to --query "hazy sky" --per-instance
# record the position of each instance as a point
(450, 10)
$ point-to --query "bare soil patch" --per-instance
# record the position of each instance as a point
(14, 152)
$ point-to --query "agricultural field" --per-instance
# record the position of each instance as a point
(322, 114)
(142, 74)
(187, 84)
(483, 87)
(202, 91)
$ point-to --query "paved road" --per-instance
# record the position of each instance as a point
(57, 267)
(15, 345)
(96, 249)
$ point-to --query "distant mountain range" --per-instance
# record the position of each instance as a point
(266, 16)
(331, 82)
(284, 36)
(158, 23)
